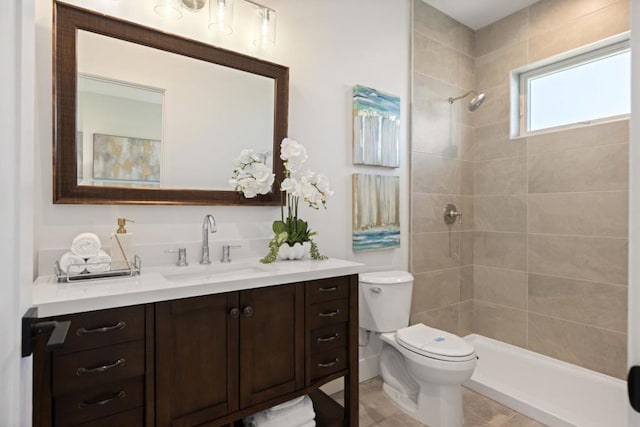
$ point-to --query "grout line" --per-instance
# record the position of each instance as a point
(577, 323)
(489, 267)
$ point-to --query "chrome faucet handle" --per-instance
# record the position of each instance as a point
(451, 213)
(226, 252)
(204, 259)
(182, 256)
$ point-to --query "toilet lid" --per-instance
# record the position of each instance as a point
(434, 343)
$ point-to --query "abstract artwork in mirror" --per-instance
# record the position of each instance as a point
(376, 128)
(119, 160)
(376, 212)
(199, 103)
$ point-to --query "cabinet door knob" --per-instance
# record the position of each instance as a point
(234, 313)
(248, 311)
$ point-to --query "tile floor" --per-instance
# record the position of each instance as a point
(479, 411)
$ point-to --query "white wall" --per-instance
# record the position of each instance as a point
(330, 46)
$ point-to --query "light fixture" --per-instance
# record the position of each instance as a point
(169, 8)
(264, 26)
(221, 17)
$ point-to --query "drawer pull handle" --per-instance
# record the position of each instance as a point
(329, 313)
(328, 339)
(85, 371)
(117, 326)
(85, 404)
(330, 364)
(331, 289)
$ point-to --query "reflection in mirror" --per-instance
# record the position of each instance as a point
(119, 131)
(149, 118)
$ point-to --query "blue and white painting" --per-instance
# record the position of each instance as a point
(376, 212)
(376, 128)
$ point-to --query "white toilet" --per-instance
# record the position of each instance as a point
(422, 368)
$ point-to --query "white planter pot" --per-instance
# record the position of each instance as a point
(297, 251)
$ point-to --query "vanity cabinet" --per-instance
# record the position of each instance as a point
(218, 354)
(204, 360)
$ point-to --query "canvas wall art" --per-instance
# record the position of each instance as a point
(376, 212)
(124, 159)
(376, 128)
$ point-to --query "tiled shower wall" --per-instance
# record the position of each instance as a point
(549, 212)
(441, 170)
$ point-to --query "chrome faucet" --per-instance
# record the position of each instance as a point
(208, 226)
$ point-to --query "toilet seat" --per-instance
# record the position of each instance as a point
(435, 343)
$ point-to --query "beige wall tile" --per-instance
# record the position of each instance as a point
(508, 30)
(500, 323)
(500, 213)
(592, 303)
(606, 22)
(500, 250)
(436, 60)
(465, 318)
(589, 258)
(503, 287)
(587, 214)
(494, 68)
(427, 212)
(430, 22)
(586, 136)
(467, 213)
(467, 72)
(467, 142)
(550, 14)
(466, 248)
(593, 348)
(435, 289)
(434, 251)
(502, 176)
(467, 175)
(435, 174)
(466, 283)
(467, 41)
(432, 117)
(493, 142)
(588, 169)
(444, 318)
(495, 107)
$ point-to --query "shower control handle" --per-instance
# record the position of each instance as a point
(451, 213)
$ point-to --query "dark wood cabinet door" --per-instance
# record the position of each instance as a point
(271, 342)
(196, 360)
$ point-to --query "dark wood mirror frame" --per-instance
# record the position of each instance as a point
(67, 21)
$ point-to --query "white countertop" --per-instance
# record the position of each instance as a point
(54, 299)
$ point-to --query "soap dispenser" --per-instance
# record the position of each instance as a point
(122, 246)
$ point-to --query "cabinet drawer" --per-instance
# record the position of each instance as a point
(102, 328)
(329, 337)
(326, 290)
(85, 369)
(328, 362)
(99, 402)
(132, 418)
(327, 313)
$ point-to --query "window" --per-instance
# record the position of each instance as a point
(582, 89)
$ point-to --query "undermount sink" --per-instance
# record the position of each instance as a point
(210, 273)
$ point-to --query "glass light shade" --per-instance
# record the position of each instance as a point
(221, 16)
(264, 31)
(171, 9)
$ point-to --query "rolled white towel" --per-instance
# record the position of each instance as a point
(86, 245)
(276, 410)
(99, 263)
(71, 263)
(296, 416)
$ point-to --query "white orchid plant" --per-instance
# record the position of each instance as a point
(252, 177)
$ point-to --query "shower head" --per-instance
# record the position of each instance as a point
(475, 102)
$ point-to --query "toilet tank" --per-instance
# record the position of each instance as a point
(385, 300)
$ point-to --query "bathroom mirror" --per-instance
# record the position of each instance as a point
(145, 117)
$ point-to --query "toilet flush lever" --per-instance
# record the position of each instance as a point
(376, 290)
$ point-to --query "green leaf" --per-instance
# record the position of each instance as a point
(279, 227)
